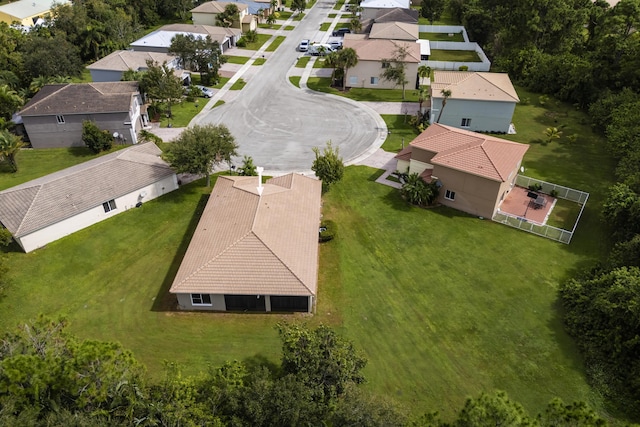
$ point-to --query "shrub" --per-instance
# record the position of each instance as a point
(327, 231)
(241, 43)
(5, 237)
(97, 140)
(463, 68)
(543, 99)
(553, 193)
(535, 187)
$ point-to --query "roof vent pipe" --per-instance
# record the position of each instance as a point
(260, 187)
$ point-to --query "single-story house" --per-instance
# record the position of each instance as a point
(396, 14)
(373, 56)
(475, 172)
(111, 67)
(48, 208)
(371, 8)
(479, 101)
(28, 13)
(160, 39)
(394, 31)
(255, 247)
(207, 14)
(54, 116)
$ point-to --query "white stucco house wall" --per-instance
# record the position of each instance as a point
(48, 208)
(479, 101)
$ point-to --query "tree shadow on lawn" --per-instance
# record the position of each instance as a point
(258, 360)
(165, 301)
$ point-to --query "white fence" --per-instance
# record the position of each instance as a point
(483, 65)
(554, 233)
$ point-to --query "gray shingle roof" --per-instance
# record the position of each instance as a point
(81, 98)
(50, 199)
(248, 244)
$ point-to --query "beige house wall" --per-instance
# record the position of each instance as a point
(361, 76)
(41, 237)
(206, 18)
(26, 22)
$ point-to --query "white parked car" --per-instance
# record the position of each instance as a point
(206, 92)
(304, 45)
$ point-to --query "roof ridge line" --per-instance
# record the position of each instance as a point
(63, 86)
(491, 160)
(28, 210)
(482, 75)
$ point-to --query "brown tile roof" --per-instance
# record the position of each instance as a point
(123, 60)
(394, 31)
(471, 152)
(405, 154)
(216, 7)
(247, 244)
(474, 85)
(379, 49)
(81, 98)
(50, 199)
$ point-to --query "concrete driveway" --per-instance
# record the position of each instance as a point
(278, 124)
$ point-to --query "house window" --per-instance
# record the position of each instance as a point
(385, 65)
(465, 123)
(353, 80)
(450, 195)
(374, 80)
(109, 206)
(200, 299)
(60, 120)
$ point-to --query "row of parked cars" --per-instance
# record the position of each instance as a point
(320, 49)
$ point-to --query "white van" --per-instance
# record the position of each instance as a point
(320, 49)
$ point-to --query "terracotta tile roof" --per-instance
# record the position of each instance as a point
(394, 31)
(50, 199)
(216, 7)
(471, 152)
(247, 244)
(474, 85)
(405, 154)
(379, 49)
(81, 98)
(123, 60)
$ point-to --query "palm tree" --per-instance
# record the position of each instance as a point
(271, 19)
(446, 93)
(349, 59)
(355, 24)
(424, 93)
(38, 83)
(424, 71)
(10, 101)
(552, 133)
(10, 144)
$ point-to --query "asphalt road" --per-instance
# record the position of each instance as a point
(278, 124)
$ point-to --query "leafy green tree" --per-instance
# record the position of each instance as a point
(50, 57)
(161, 85)
(10, 145)
(621, 211)
(417, 192)
(492, 410)
(200, 148)
(576, 414)
(183, 46)
(320, 359)
(358, 408)
(328, 165)
(94, 138)
(298, 5)
(432, 9)
(396, 71)
(229, 16)
(5, 238)
(10, 101)
(248, 168)
(208, 59)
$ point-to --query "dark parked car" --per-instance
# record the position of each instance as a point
(340, 32)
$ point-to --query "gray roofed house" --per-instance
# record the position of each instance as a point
(397, 14)
(56, 205)
(112, 67)
(254, 250)
(54, 116)
(160, 39)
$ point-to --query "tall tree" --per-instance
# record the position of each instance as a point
(446, 93)
(328, 165)
(298, 6)
(492, 410)
(207, 60)
(396, 69)
(348, 59)
(50, 57)
(10, 145)
(183, 46)
(432, 9)
(200, 148)
(161, 85)
(229, 16)
(10, 101)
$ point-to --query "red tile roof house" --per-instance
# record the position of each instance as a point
(54, 116)
(254, 249)
(481, 102)
(476, 171)
(48, 208)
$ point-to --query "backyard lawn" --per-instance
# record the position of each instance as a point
(454, 55)
(442, 37)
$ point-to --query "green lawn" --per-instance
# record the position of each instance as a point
(237, 59)
(338, 5)
(270, 27)
(259, 61)
(400, 130)
(221, 82)
(320, 62)
(238, 85)
(275, 44)
(564, 214)
(260, 40)
(454, 55)
(333, 15)
(322, 84)
(181, 114)
(285, 15)
(33, 164)
(302, 61)
(289, 28)
(295, 80)
(442, 37)
(325, 26)
(220, 102)
(84, 77)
